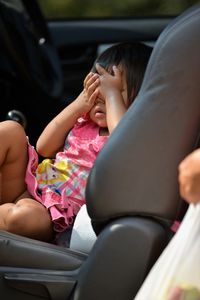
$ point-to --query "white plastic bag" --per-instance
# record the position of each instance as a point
(179, 264)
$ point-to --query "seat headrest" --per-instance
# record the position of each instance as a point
(137, 171)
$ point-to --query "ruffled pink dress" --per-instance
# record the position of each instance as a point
(59, 184)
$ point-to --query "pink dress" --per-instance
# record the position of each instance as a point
(59, 184)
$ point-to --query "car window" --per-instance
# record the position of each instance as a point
(112, 8)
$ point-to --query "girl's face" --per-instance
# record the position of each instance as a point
(98, 112)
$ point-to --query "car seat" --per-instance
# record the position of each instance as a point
(132, 193)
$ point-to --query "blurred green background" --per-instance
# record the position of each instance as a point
(112, 8)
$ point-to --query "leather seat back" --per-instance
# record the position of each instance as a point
(137, 171)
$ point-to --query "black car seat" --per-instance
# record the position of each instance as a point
(132, 193)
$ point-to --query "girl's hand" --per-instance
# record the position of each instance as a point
(85, 101)
(91, 83)
(189, 177)
(53, 136)
(109, 84)
(111, 91)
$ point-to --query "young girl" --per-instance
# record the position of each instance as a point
(38, 201)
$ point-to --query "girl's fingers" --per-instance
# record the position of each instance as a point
(94, 96)
(103, 71)
(100, 69)
(91, 78)
(91, 88)
(92, 82)
(116, 71)
(87, 78)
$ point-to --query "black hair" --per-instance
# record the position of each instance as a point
(133, 57)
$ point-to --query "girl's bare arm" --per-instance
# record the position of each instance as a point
(111, 88)
(52, 138)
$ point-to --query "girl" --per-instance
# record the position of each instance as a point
(38, 201)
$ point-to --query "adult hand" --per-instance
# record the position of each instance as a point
(175, 294)
(189, 177)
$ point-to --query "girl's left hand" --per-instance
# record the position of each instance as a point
(109, 84)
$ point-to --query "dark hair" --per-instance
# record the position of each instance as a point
(133, 57)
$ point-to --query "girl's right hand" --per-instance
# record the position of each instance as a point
(53, 136)
(87, 97)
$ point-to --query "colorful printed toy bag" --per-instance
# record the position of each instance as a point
(176, 274)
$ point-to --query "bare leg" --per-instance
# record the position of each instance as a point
(18, 212)
(13, 161)
(26, 217)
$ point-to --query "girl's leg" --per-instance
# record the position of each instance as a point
(18, 212)
(13, 161)
(28, 218)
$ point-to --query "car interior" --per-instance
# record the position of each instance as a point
(132, 195)
(52, 57)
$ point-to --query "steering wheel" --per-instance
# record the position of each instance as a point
(27, 42)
